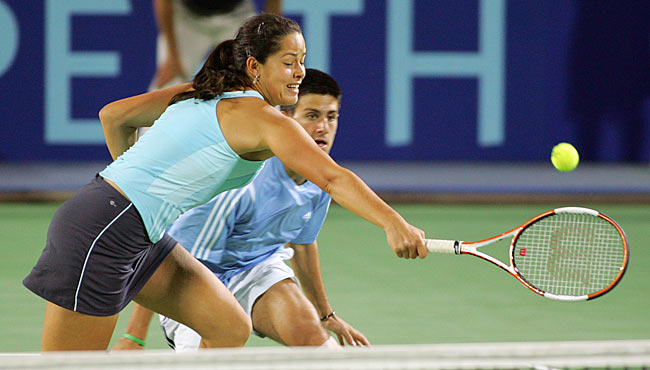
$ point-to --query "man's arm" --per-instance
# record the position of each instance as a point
(136, 328)
(306, 264)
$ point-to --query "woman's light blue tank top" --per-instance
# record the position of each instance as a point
(181, 162)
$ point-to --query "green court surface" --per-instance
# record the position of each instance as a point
(440, 299)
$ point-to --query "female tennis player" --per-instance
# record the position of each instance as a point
(107, 245)
(241, 234)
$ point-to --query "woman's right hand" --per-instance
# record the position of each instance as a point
(407, 241)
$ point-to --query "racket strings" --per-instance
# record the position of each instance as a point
(570, 254)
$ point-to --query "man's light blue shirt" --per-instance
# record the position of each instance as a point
(242, 227)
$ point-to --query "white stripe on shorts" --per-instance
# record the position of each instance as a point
(76, 295)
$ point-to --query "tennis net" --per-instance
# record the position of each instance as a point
(624, 354)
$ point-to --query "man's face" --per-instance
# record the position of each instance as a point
(319, 116)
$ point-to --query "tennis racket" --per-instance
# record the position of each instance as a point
(567, 254)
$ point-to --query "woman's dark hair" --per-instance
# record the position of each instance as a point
(225, 68)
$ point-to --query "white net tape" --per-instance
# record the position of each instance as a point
(527, 355)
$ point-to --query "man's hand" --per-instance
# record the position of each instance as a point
(345, 332)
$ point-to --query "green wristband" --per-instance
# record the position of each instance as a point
(135, 339)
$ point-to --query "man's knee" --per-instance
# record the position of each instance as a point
(307, 333)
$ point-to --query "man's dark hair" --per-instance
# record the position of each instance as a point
(315, 82)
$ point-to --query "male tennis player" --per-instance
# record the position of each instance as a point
(241, 235)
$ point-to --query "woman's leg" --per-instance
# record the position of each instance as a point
(66, 330)
(185, 290)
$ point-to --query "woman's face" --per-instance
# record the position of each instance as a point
(281, 74)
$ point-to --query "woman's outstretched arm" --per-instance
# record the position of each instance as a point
(297, 150)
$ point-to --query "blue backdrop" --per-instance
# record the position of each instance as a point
(422, 79)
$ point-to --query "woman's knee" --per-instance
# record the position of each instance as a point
(241, 329)
(226, 332)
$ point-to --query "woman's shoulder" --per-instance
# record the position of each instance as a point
(190, 106)
(241, 94)
(249, 107)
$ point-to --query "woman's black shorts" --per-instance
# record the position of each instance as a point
(97, 255)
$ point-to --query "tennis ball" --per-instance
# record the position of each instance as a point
(564, 157)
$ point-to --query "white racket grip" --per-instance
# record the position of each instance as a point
(442, 246)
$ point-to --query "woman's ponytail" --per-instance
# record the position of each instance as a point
(225, 69)
(218, 74)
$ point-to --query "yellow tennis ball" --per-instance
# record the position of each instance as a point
(565, 157)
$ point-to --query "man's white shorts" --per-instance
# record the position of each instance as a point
(247, 287)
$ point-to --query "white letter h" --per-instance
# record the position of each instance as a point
(487, 65)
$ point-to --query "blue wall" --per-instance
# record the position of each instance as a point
(422, 79)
